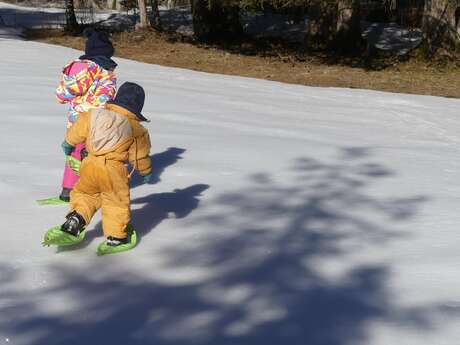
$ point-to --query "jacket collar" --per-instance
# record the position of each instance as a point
(121, 110)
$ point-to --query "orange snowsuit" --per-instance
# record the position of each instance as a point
(113, 135)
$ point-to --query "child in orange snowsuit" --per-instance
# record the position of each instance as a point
(113, 136)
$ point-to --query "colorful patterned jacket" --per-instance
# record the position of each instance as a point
(85, 85)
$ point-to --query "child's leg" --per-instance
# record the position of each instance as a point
(116, 203)
(84, 204)
(85, 198)
(70, 178)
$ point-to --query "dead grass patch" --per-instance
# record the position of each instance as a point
(414, 76)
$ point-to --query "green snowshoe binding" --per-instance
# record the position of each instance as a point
(56, 237)
(114, 245)
(62, 199)
(70, 233)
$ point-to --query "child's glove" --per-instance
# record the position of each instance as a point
(147, 178)
(74, 164)
(67, 148)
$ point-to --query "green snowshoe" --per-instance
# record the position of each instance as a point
(70, 233)
(52, 201)
(56, 237)
(113, 246)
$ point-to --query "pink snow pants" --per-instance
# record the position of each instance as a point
(70, 179)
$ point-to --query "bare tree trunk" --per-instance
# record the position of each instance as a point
(334, 24)
(72, 25)
(440, 20)
(114, 5)
(348, 31)
(156, 20)
(322, 23)
(95, 4)
(143, 14)
(86, 3)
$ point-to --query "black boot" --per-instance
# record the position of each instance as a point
(74, 224)
(114, 241)
(65, 194)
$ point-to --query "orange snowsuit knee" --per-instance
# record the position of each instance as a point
(113, 136)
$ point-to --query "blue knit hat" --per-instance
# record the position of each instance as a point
(98, 43)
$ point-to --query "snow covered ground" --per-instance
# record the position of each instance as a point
(280, 214)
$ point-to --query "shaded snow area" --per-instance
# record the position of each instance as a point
(274, 25)
(11, 15)
(177, 19)
(39, 3)
(391, 37)
(278, 214)
(384, 36)
(10, 33)
(47, 17)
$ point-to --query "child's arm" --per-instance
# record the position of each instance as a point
(78, 133)
(139, 154)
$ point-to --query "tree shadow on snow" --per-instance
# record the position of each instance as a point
(160, 161)
(158, 207)
(274, 263)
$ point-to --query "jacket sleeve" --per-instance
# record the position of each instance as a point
(138, 154)
(78, 133)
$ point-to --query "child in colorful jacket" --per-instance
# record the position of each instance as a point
(113, 136)
(86, 83)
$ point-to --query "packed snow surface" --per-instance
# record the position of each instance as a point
(279, 214)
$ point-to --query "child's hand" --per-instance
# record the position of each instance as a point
(67, 148)
(147, 178)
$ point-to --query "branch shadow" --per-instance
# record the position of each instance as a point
(257, 273)
(158, 207)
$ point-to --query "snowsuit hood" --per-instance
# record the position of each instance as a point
(85, 85)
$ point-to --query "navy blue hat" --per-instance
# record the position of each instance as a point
(131, 96)
(97, 44)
